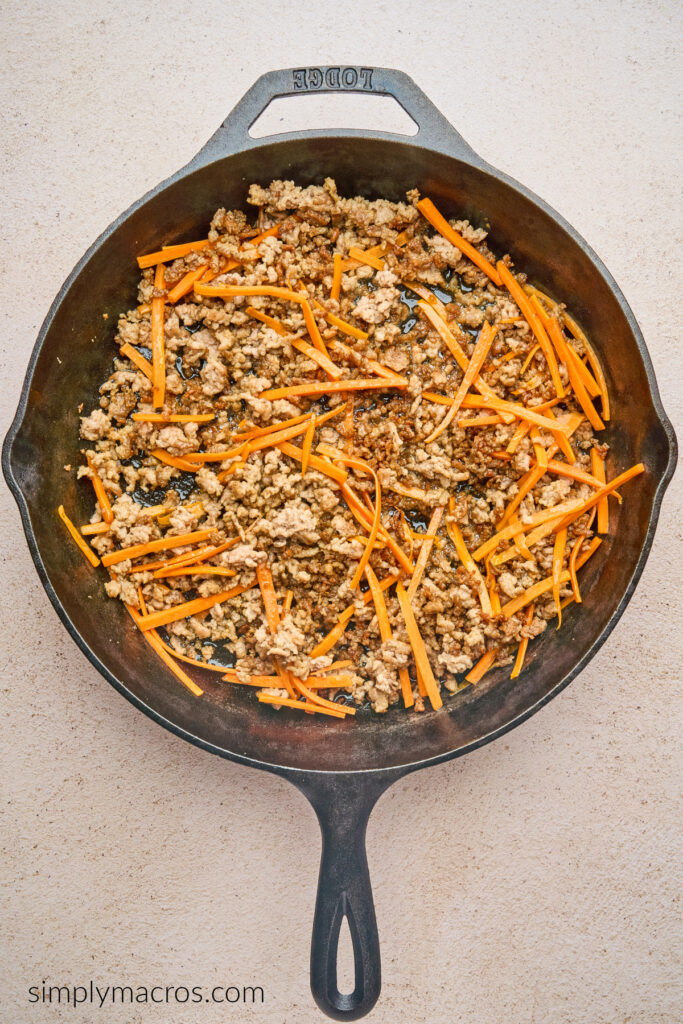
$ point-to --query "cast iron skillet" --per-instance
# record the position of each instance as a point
(341, 767)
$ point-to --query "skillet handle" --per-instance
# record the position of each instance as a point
(434, 130)
(343, 804)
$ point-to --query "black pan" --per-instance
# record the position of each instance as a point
(342, 767)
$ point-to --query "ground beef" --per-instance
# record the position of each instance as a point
(259, 509)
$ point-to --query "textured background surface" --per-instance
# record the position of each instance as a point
(533, 881)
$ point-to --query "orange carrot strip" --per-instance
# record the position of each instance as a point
(361, 515)
(439, 222)
(100, 493)
(359, 464)
(307, 444)
(321, 702)
(525, 485)
(137, 359)
(182, 611)
(540, 333)
(468, 562)
(573, 473)
(193, 557)
(429, 297)
(353, 261)
(93, 529)
(174, 460)
(479, 354)
(160, 417)
(530, 356)
(265, 582)
(301, 705)
(594, 363)
(223, 456)
(195, 570)
(157, 342)
(523, 644)
(163, 544)
(171, 252)
(602, 493)
(345, 617)
(482, 667)
(330, 387)
(575, 552)
(270, 321)
(598, 466)
(480, 421)
(323, 361)
(342, 325)
(82, 544)
(543, 586)
(500, 405)
(159, 648)
(185, 284)
(558, 558)
(571, 360)
(367, 257)
(425, 551)
(321, 465)
(336, 276)
(422, 665)
(508, 532)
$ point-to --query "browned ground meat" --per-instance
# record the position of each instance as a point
(219, 360)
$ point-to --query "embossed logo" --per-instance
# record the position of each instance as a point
(310, 79)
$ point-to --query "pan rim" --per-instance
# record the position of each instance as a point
(397, 769)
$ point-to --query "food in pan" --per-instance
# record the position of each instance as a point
(346, 455)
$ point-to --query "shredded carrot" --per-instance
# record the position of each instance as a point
(323, 361)
(573, 473)
(301, 705)
(536, 348)
(185, 284)
(598, 466)
(260, 431)
(523, 644)
(439, 222)
(481, 350)
(100, 493)
(138, 360)
(594, 363)
(524, 487)
(363, 256)
(265, 582)
(319, 701)
(424, 669)
(540, 333)
(163, 544)
(344, 327)
(429, 297)
(159, 648)
(270, 321)
(174, 460)
(566, 353)
(468, 562)
(520, 433)
(93, 529)
(482, 667)
(602, 493)
(194, 607)
(336, 276)
(530, 539)
(320, 465)
(222, 456)
(361, 515)
(330, 387)
(543, 586)
(345, 617)
(193, 557)
(502, 406)
(82, 544)
(575, 552)
(160, 417)
(425, 551)
(376, 520)
(480, 421)
(171, 252)
(307, 444)
(558, 559)
(367, 257)
(287, 603)
(194, 570)
(157, 341)
(508, 532)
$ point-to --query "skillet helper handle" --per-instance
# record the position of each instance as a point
(434, 130)
(343, 805)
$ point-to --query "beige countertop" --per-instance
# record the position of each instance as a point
(532, 882)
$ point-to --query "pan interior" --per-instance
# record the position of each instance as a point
(76, 355)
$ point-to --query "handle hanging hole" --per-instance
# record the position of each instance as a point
(346, 967)
(334, 111)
